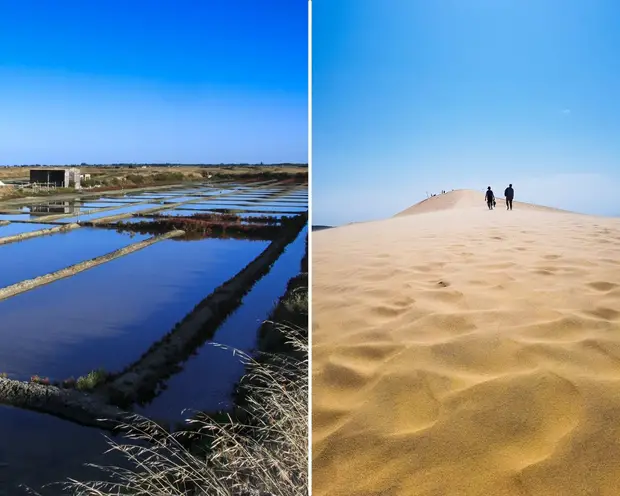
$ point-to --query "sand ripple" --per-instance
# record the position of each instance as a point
(467, 352)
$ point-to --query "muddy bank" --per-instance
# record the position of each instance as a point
(221, 218)
(274, 347)
(4, 223)
(69, 404)
(246, 211)
(274, 351)
(291, 312)
(211, 225)
(139, 381)
(23, 286)
(147, 228)
(41, 232)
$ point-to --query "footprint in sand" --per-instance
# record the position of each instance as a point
(543, 272)
(604, 313)
(388, 311)
(344, 376)
(422, 268)
(610, 261)
(603, 285)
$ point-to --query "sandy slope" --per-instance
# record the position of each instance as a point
(467, 352)
(465, 198)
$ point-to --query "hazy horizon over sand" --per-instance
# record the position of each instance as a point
(462, 351)
(464, 198)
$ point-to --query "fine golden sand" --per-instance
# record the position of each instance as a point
(461, 351)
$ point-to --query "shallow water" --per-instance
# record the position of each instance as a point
(183, 199)
(24, 260)
(218, 369)
(121, 199)
(96, 204)
(110, 213)
(15, 217)
(40, 449)
(109, 315)
(19, 228)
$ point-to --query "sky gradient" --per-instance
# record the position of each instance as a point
(153, 81)
(428, 95)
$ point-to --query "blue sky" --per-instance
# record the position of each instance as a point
(411, 96)
(153, 81)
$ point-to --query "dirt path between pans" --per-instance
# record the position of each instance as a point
(29, 284)
(70, 404)
(34, 234)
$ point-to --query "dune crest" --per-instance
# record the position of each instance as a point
(466, 198)
(467, 352)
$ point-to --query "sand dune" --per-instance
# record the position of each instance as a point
(465, 198)
(467, 352)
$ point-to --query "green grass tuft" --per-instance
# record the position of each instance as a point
(91, 380)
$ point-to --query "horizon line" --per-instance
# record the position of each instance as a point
(182, 164)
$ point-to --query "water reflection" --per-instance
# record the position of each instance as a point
(218, 369)
(110, 314)
(38, 256)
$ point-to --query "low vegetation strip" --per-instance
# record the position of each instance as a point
(34, 234)
(140, 380)
(23, 286)
(232, 218)
(211, 225)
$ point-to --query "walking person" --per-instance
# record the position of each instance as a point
(490, 198)
(509, 193)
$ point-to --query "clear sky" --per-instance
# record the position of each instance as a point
(153, 81)
(411, 96)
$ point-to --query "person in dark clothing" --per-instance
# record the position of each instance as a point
(490, 198)
(509, 193)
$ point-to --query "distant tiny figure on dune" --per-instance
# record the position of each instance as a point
(490, 198)
(509, 193)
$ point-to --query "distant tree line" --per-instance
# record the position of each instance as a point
(133, 164)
